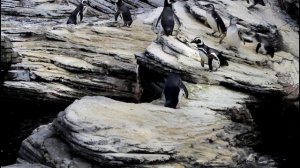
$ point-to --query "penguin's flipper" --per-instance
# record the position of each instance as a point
(222, 37)
(177, 20)
(241, 37)
(78, 17)
(202, 62)
(81, 15)
(158, 20)
(185, 90)
(117, 15)
(210, 60)
(257, 47)
(220, 24)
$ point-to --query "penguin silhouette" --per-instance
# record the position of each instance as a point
(215, 21)
(77, 15)
(124, 11)
(168, 17)
(174, 90)
(233, 35)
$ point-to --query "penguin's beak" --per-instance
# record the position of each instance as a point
(193, 41)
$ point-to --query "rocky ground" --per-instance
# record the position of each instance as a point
(47, 60)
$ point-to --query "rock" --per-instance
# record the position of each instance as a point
(60, 63)
(65, 62)
(248, 71)
(26, 165)
(142, 134)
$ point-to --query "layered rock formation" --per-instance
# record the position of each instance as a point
(61, 63)
(144, 135)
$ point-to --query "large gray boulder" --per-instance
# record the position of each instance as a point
(112, 133)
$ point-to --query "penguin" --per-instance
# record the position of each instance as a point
(208, 54)
(233, 35)
(167, 17)
(77, 15)
(174, 89)
(264, 46)
(124, 11)
(255, 2)
(275, 38)
(215, 21)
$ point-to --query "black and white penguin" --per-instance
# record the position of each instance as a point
(255, 2)
(168, 17)
(123, 9)
(215, 21)
(77, 15)
(211, 56)
(264, 46)
(174, 89)
(233, 35)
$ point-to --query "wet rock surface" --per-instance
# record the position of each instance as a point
(48, 60)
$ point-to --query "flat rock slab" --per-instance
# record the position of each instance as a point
(116, 133)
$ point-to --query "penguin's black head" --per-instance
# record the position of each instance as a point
(273, 29)
(233, 20)
(169, 2)
(210, 7)
(84, 2)
(198, 41)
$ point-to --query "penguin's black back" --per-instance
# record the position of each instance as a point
(125, 12)
(220, 23)
(167, 20)
(72, 18)
(223, 60)
(261, 2)
(171, 90)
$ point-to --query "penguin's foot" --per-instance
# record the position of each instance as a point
(212, 34)
(234, 49)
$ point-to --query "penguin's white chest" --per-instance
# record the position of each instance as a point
(211, 21)
(262, 49)
(215, 64)
(232, 36)
(202, 54)
(180, 95)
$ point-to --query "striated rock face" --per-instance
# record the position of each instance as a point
(247, 70)
(63, 62)
(145, 134)
(60, 63)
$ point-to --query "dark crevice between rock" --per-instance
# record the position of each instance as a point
(19, 119)
(275, 131)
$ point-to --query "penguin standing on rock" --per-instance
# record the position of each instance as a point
(209, 55)
(264, 46)
(124, 11)
(77, 15)
(233, 35)
(215, 21)
(168, 17)
(174, 90)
